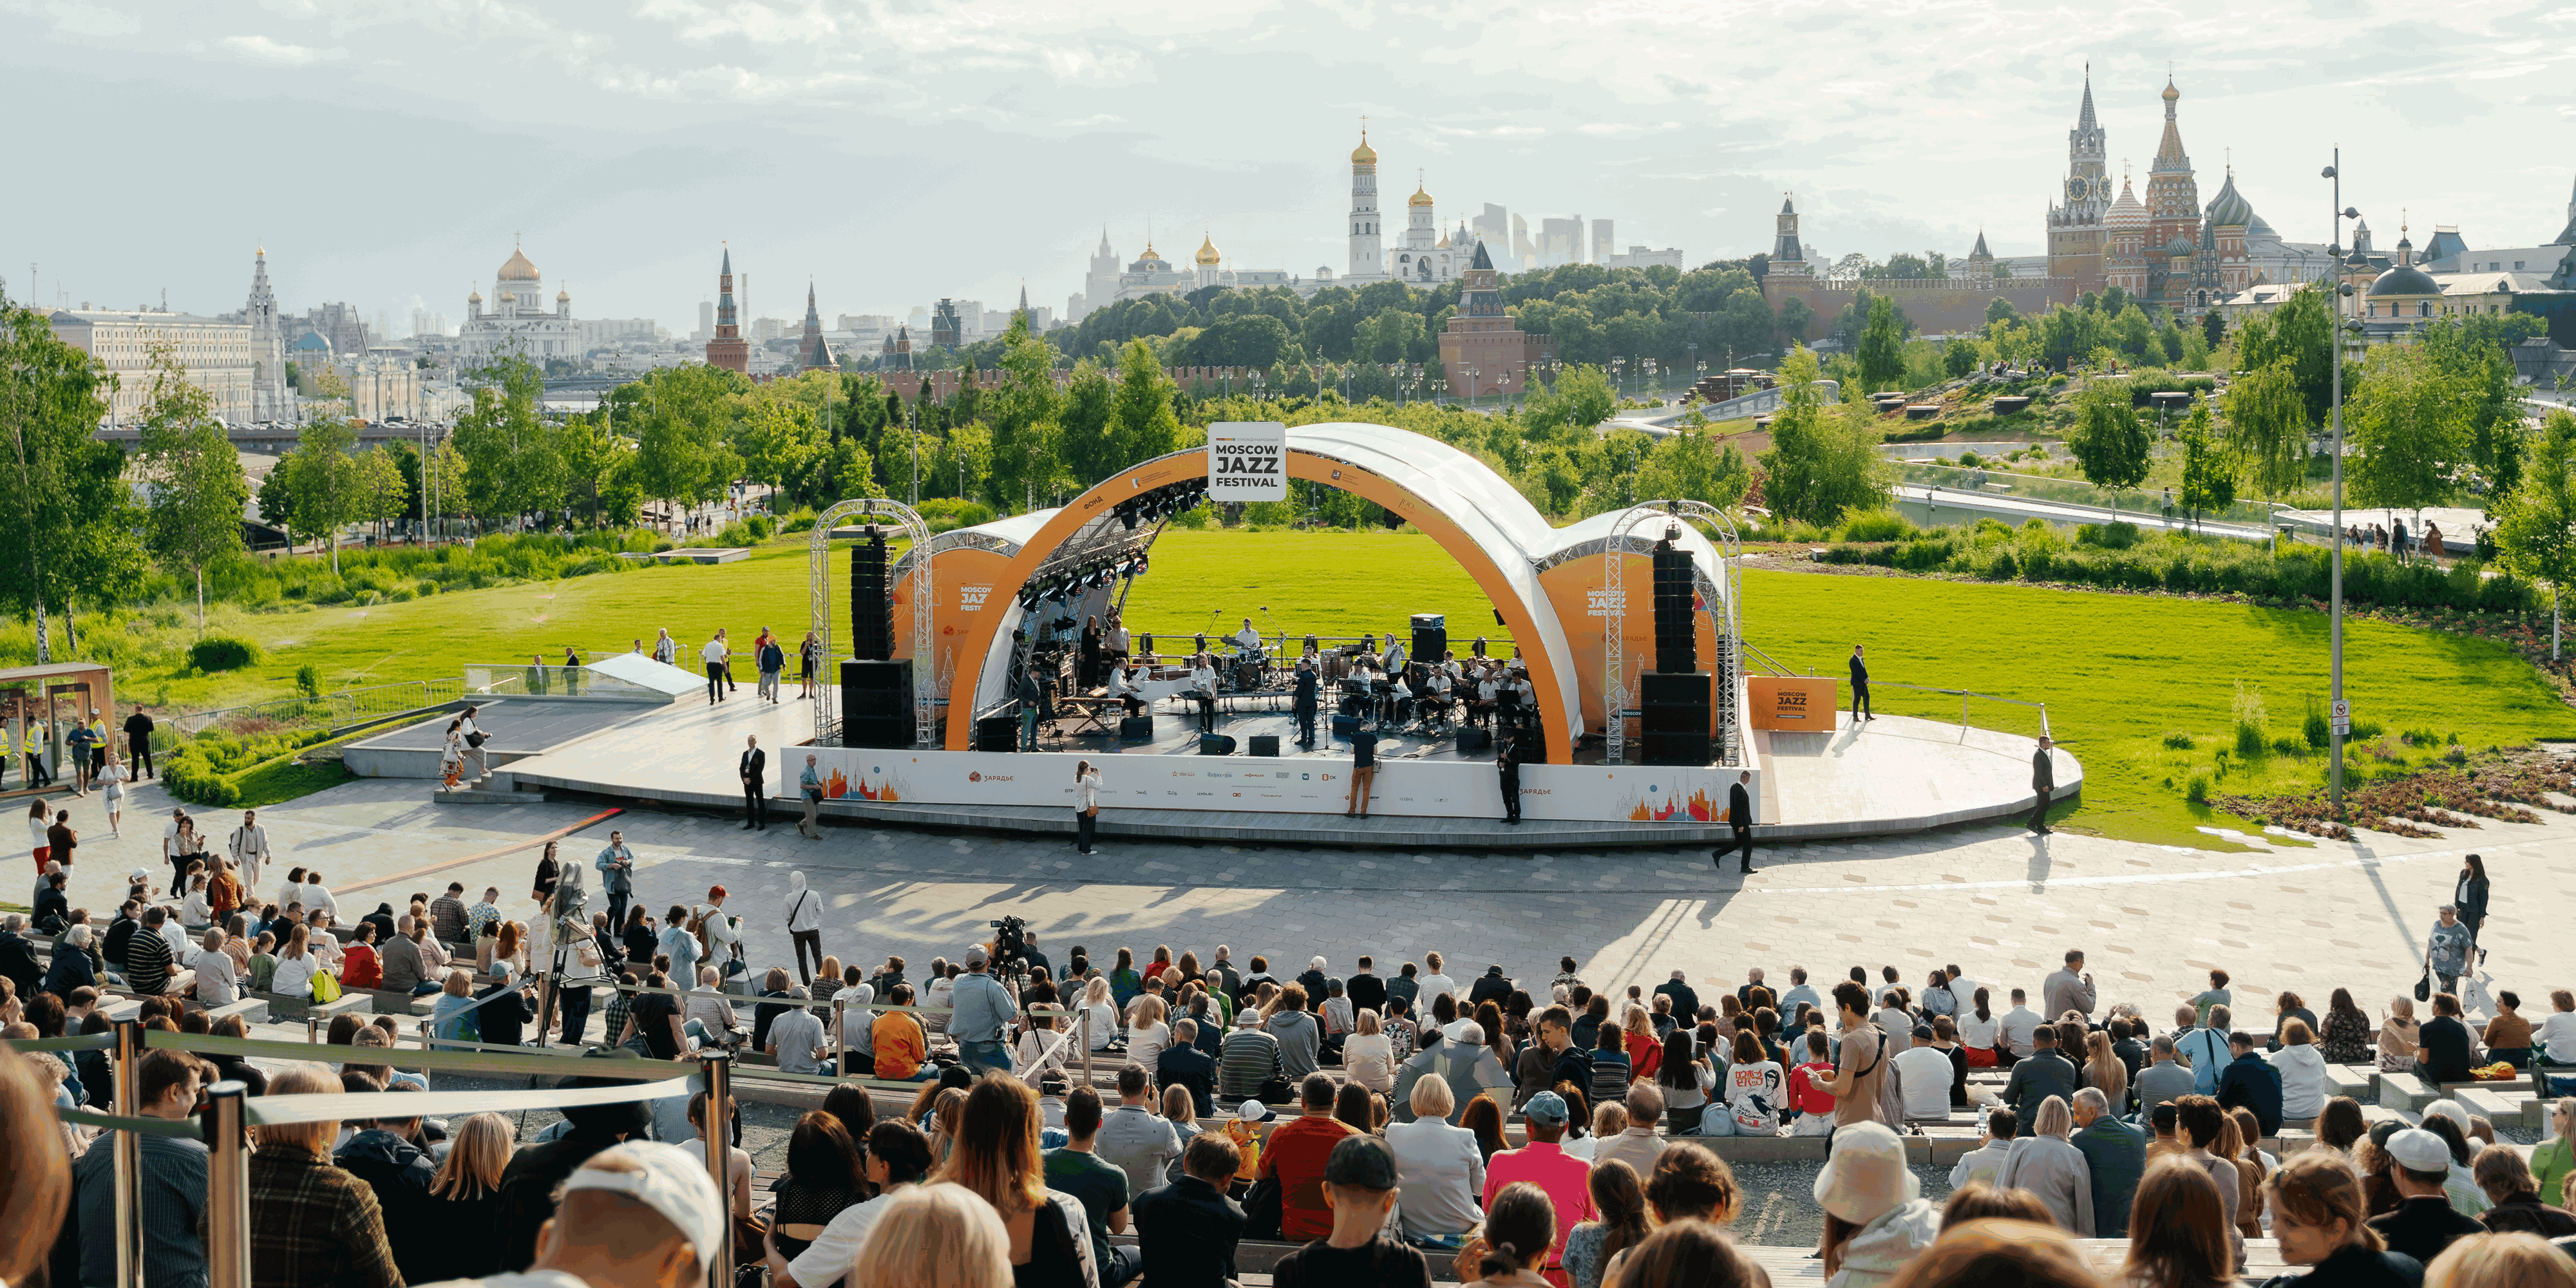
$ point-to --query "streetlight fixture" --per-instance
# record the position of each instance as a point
(2340, 717)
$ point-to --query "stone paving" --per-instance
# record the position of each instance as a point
(2003, 905)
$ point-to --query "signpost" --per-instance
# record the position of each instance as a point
(1248, 460)
(2342, 717)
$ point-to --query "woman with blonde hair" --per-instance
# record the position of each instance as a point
(938, 1235)
(2104, 1070)
(466, 1195)
(1147, 1034)
(317, 1223)
(2397, 1036)
(2514, 1260)
(2319, 1218)
(1368, 1054)
(997, 1157)
(2232, 1148)
(296, 966)
(2043, 1163)
(36, 1187)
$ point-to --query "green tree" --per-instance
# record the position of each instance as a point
(442, 480)
(686, 420)
(195, 476)
(2111, 445)
(1958, 357)
(1142, 424)
(1021, 413)
(2409, 423)
(2208, 469)
(1084, 443)
(2535, 532)
(591, 453)
(2268, 427)
(2299, 331)
(326, 480)
(1580, 399)
(513, 454)
(778, 433)
(381, 491)
(1695, 467)
(1882, 344)
(1824, 461)
(69, 514)
(2470, 352)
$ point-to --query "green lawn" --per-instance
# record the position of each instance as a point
(2118, 672)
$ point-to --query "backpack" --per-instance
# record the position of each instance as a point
(326, 987)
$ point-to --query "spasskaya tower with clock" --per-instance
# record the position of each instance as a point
(2075, 219)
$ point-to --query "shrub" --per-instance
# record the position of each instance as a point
(192, 777)
(1969, 460)
(1877, 525)
(2119, 535)
(761, 526)
(2250, 719)
(2005, 567)
(2318, 730)
(2197, 792)
(2178, 741)
(308, 681)
(222, 653)
(2287, 747)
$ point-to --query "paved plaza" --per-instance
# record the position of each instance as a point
(2000, 903)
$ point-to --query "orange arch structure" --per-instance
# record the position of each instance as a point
(1476, 516)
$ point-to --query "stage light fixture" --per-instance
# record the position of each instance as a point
(1139, 569)
(1127, 517)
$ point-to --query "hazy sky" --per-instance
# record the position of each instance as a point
(901, 150)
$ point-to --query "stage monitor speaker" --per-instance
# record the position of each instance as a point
(1677, 749)
(1265, 744)
(997, 733)
(1136, 729)
(871, 607)
(1215, 744)
(1474, 739)
(878, 695)
(1345, 725)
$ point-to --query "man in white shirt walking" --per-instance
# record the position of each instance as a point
(714, 655)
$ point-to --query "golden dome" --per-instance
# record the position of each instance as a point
(563, 297)
(517, 268)
(1363, 154)
(1149, 254)
(1207, 256)
(2171, 94)
(474, 297)
(1419, 197)
(509, 298)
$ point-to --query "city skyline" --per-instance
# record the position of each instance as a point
(386, 156)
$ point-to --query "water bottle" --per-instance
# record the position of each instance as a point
(1983, 1112)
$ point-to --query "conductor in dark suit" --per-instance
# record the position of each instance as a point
(1303, 705)
(755, 792)
(1507, 759)
(1739, 819)
(2043, 780)
(1860, 686)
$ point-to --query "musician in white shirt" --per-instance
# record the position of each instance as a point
(1394, 654)
(1481, 707)
(1246, 639)
(1436, 701)
(1122, 686)
(1117, 641)
(1203, 687)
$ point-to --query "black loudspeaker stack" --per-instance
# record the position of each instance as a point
(997, 733)
(1676, 641)
(1430, 637)
(876, 703)
(1265, 744)
(871, 609)
(1673, 715)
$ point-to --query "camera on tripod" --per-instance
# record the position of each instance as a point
(1010, 946)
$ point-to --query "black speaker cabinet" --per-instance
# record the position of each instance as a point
(1265, 744)
(1474, 739)
(997, 733)
(1677, 748)
(1666, 686)
(1215, 744)
(876, 703)
(878, 731)
(1430, 637)
(1136, 729)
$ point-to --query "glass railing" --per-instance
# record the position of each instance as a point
(2039, 487)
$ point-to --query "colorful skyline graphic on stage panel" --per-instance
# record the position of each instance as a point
(1697, 809)
(839, 785)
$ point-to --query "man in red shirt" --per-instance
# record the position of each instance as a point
(1297, 1152)
(1544, 1164)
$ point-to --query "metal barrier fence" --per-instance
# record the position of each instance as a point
(347, 706)
(2039, 487)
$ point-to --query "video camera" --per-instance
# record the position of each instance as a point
(1010, 946)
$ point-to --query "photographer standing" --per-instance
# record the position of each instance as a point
(980, 1016)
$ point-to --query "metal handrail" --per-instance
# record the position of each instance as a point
(341, 706)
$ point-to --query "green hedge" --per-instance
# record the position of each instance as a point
(210, 769)
(2116, 556)
(222, 653)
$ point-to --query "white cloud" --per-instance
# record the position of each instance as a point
(79, 18)
(261, 49)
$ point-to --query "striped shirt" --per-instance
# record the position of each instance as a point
(1251, 1058)
(147, 962)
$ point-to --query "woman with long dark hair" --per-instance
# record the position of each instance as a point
(2344, 1036)
(823, 1177)
(1086, 805)
(2178, 1229)
(1685, 1079)
(1619, 1222)
(2471, 896)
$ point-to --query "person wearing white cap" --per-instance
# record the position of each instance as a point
(1876, 1218)
(636, 1215)
(2424, 1222)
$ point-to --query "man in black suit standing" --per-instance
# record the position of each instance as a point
(1860, 686)
(2043, 780)
(1304, 703)
(1739, 819)
(755, 793)
(1507, 759)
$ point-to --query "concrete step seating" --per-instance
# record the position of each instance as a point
(1255, 1262)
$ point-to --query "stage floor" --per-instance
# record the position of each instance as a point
(1176, 733)
(1890, 776)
